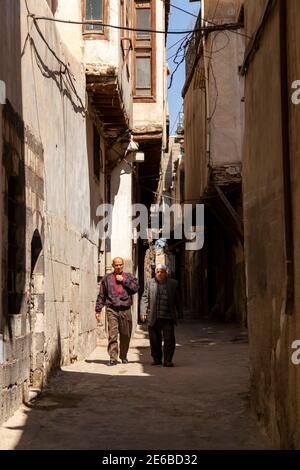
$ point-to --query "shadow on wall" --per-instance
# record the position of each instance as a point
(96, 163)
(61, 74)
(13, 177)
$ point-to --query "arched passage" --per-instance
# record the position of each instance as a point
(36, 312)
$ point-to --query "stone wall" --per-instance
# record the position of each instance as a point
(272, 330)
(50, 247)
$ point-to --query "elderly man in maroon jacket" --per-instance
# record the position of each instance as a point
(116, 290)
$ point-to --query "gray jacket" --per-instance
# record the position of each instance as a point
(149, 298)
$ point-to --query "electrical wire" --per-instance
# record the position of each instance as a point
(227, 26)
(177, 56)
(215, 51)
(174, 55)
(184, 11)
(176, 120)
(209, 21)
(175, 44)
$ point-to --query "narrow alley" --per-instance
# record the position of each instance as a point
(149, 193)
(201, 403)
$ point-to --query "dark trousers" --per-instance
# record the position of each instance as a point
(163, 329)
(119, 324)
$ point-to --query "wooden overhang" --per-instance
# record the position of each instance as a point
(105, 96)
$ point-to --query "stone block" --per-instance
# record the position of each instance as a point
(25, 391)
(87, 316)
(39, 342)
(37, 378)
(1, 377)
(57, 287)
(8, 350)
(14, 372)
(27, 327)
(27, 156)
(16, 325)
(21, 347)
(64, 320)
(39, 269)
(39, 303)
(40, 168)
(39, 282)
(4, 404)
(39, 323)
(24, 370)
(39, 360)
(2, 354)
(13, 399)
(73, 253)
(28, 195)
(75, 276)
(65, 351)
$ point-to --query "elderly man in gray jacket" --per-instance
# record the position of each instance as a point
(161, 306)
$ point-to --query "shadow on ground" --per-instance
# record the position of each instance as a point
(201, 403)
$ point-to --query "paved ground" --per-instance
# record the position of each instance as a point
(202, 403)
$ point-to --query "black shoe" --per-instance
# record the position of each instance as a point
(125, 361)
(113, 362)
(156, 363)
(168, 364)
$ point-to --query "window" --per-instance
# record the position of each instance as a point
(125, 13)
(143, 73)
(144, 51)
(95, 10)
(143, 21)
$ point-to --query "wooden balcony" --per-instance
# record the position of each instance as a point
(106, 98)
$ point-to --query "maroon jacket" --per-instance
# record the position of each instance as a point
(113, 294)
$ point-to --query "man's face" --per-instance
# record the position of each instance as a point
(118, 265)
(161, 275)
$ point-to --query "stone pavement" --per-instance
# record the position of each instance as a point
(201, 403)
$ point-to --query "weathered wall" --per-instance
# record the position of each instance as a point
(274, 379)
(214, 118)
(226, 89)
(14, 359)
(195, 163)
(70, 257)
(55, 321)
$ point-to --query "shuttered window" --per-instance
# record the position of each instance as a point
(144, 50)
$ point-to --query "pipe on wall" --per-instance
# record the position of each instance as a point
(286, 163)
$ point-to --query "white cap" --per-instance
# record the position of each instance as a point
(161, 266)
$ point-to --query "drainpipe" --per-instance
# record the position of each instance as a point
(286, 152)
(206, 72)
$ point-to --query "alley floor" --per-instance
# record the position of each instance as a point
(201, 403)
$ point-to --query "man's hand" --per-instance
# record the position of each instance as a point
(143, 317)
(119, 277)
(98, 315)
